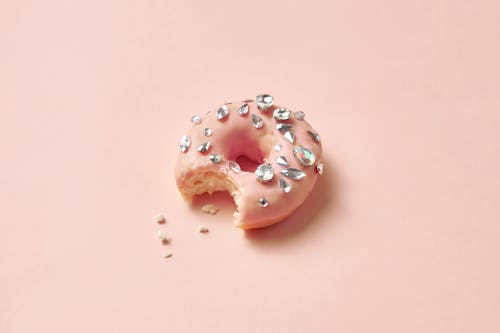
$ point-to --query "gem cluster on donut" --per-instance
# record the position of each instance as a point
(264, 173)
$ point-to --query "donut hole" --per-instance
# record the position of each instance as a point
(246, 152)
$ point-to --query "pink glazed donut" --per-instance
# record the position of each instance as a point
(284, 145)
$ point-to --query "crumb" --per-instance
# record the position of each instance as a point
(202, 229)
(160, 219)
(168, 255)
(209, 209)
(162, 236)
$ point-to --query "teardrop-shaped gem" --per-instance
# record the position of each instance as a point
(293, 173)
(257, 121)
(290, 136)
(304, 156)
(281, 160)
(283, 128)
(278, 147)
(185, 143)
(320, 167)
(215, 158)
(264, 172)
(264, 101)
(282, 114)
(234, 166)
(207, 131)
(243, 110)
(263, 202)
(284, 185)
(196, 119)
(314, 136)
(204, 147)
(300, 115)
(222, 112)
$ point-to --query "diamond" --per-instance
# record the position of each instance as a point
(320, 167)
(215, 158)
(290, 136)
(263, 202)
(243, 110)
(282, 114)
(278, 147)
(264, 172)
(185, 143)
(264, 101)
(314, 136)
(196, 119)
(207, 132)
(304, 156)
(222, 112)
(293, 173)
(204, 147)
(300, 115)
(281, 160)
(284, 185)
(283, 128)
(257, 121)
(234, 166)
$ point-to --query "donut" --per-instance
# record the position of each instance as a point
(281, 142)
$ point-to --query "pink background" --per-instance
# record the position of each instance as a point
(402, 234)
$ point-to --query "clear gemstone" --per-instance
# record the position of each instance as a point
(234, 166)
(300, 115)
(264, 101)
(257, 121)
(263, 202)
(320, 167)
(278, 147)
(185, 143)
(293, 173)
(204, 147)
(304, 156)
(264, 172)
(207, 132)
(215, 158)
(196, 119)
(222, 112)
(290, 136)
(282, 114)
(283, 128)
(284, 185)
(314, 136)
(281, 160)
(243, 110)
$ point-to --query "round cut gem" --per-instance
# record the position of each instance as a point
(263, 202)
(196, 119)
(207, 132)
(282, 114)
(264, 101)
(300, 115)
(320, 167)
(264, 172)
(304, 156)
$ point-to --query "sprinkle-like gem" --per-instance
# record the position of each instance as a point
(196, 119)
(281, 160)
(293, 173)
(185, 143)
(222, 112)
(243, 110)
(283, 128)
(314, 136)
(264, 172)
(207, 132)
(257, 121)
(263, 202)
(290, 136)
(204, 147)
(282, 114)
(320, 167)
(264, 101)
(300, 115)
(215, 158)
(278, 147)
(284, 185)
(304, 156)
(234, 166)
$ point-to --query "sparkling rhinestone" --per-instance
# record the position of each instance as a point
(283, 128)
(282, 114)
(290, 136)
(207, 132)
(185, 143)
(215, 158)
(278, 147)
(243, 110)
(264, 101)
(264, 172)
(293, 173)
(284, 185)
(196, 119)
(314, 136)
(263, 202)
(281, 160)
(257, 121)
(320, 167)
(300, 115)
(222, 112)
(304, 156)
(204, 147)
(234, 166)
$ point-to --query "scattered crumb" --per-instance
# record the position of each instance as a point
(162, 236)
(160, 219)
(209, 209)
(202, 229)
(168, 255)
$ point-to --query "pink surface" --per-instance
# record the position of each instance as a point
(402, 234)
